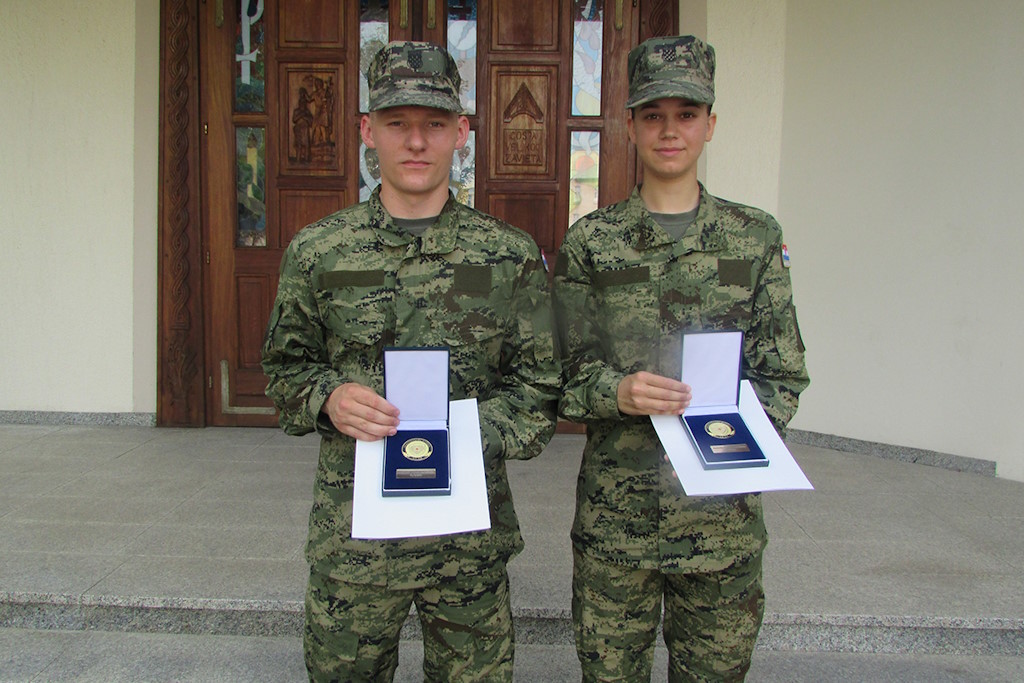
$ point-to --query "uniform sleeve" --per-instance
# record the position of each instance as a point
(589, 383)
(519, 418)
(295, 357)
(774, 351)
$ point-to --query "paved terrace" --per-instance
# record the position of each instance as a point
(134, 553)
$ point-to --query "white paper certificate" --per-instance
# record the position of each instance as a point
(781, 474)
(375, 517)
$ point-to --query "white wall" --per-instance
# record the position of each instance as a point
(902, 168)
(743, 157)
(144, 248)
(74, 337)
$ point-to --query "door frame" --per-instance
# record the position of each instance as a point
(184, 384)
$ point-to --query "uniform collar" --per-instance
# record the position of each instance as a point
(439, 238)
(702, 235)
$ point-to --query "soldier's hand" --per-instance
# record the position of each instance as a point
(359, 412)
(644, 393)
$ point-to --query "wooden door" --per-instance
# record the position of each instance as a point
(545, 89)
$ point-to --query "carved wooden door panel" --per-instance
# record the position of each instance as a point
(278, 153)
(280, 99)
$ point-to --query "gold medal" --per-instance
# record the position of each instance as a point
(719, 429)
(417, 449)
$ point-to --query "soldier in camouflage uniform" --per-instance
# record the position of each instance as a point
(411, 267)
(630, 279)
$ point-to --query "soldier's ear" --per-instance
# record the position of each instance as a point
(366, 131)
(712, 119)
(463, 132)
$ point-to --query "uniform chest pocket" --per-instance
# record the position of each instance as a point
(353, 305)
(728, 302)
(627, 302)
(477, 310)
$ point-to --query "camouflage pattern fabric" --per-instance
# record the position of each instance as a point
(411, 73)
(352, 630)
(710, 629)
(624, 294)
(352, 284)
(676, 66)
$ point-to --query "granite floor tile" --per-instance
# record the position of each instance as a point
(174, 452)
(215, 437)
(102, 486)
(98, 453)
(866, 516)
(897, 559)
(76, 509)
(40, 483)
(835, 472)
(203, 578)
(10, 503)
(54, 572)
(994, 538)
(209, 542)
(102, 434)
(224, 542)
(56, 472)
(277, 483)
(555, 519)
(87, 657)
(26, 654)
(128, 657)
(780, 524)
(844, 667)
(1000, 504)
(206, 509)
(798, 578)
(87, 538)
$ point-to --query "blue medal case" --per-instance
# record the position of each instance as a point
(711, 366)
(417, 460)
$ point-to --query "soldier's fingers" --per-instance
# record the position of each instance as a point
(365, 430)
(654, 393)
(357, 402)
(662, 382)
(664, 408)
(379, 405)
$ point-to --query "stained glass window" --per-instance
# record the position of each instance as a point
(462, 47)
(251, 172)
(369, 171)
(586, 57)
(463, 175)
(584, 167)
(373, 35)
(250, 75)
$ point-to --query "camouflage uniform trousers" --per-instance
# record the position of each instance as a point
(352, 630)
(711, 620)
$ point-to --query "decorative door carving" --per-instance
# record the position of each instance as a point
(259, 137)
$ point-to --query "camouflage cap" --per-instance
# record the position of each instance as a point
(411, 73)
(676, 66)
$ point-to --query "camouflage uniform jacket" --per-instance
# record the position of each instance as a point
(624, 293)
(351, 284)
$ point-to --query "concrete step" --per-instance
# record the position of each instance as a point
(780, 632)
